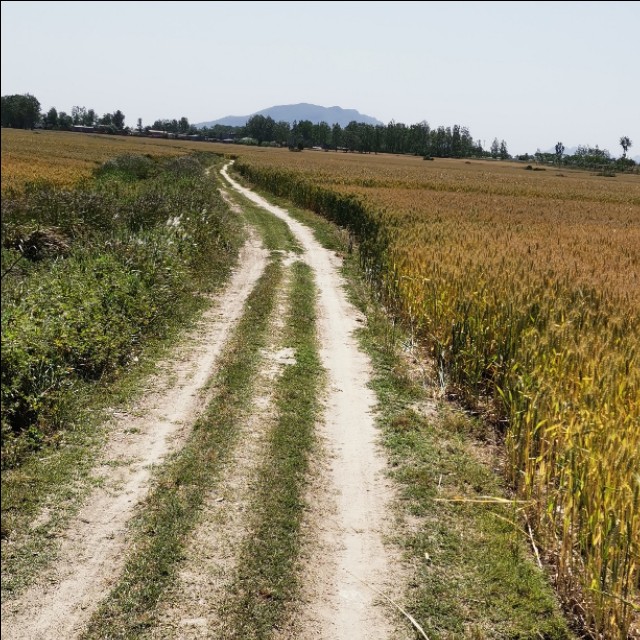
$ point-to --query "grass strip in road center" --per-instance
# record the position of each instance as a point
(173, 506)
(266, 578)
(275, 233)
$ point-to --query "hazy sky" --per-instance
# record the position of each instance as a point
(532, 73)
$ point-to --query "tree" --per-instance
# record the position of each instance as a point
(65, 121)
(51, 119)
(90, 118)
(378, 137)
(594, 157)
(625, 143)
(20, 111)
(78, 114)
(260, 128)
(495, 148)
(281, 132)
(336, 136)
(466, 141)
(183, 125)
(367, 137)
(304, 132)
(456, 142)
(417, 138)
(139, 125)
(352, 139)
(504, 154)
(321, 134)
(118, 119)
(559, 152)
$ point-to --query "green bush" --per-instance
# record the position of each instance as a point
(89, 275)
(128, 167)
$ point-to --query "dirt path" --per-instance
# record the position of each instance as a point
(352, 557)
(92, 548)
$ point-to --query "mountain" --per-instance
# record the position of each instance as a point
(302, 111)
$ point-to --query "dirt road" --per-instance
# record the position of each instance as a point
(346, 562)
(91, 552)
(352, 562)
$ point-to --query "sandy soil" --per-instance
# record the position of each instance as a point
(352, 562)
(91, 550)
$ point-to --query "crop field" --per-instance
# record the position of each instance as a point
(64, 158)
(525, 287)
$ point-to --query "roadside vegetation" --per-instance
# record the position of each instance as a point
(173, 506)
(91, 274)
(265, 580)
(474, 571)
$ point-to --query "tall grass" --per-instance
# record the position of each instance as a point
(528, 296)
(90, 273)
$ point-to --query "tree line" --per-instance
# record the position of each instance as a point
(396, 137)
(583, 157)
(23, 112)
(456, 141)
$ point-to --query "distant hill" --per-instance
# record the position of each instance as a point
(302, 111)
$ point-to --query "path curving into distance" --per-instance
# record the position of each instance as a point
(353, 565)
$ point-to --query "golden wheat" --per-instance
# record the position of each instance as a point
(526, 286)
(65, 158)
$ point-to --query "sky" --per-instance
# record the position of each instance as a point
(531, 73)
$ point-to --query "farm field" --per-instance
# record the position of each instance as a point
(113, 239)
(517, 290)
(65, 158)
(525, 288)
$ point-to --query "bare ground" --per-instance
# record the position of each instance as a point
(351, 564)
(91, 549)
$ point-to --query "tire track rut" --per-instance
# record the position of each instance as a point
(189, 609)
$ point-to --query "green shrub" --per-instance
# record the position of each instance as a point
(127, 167)
(90, 274)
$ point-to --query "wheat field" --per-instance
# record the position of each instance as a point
(64, 158)
(525, 286)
